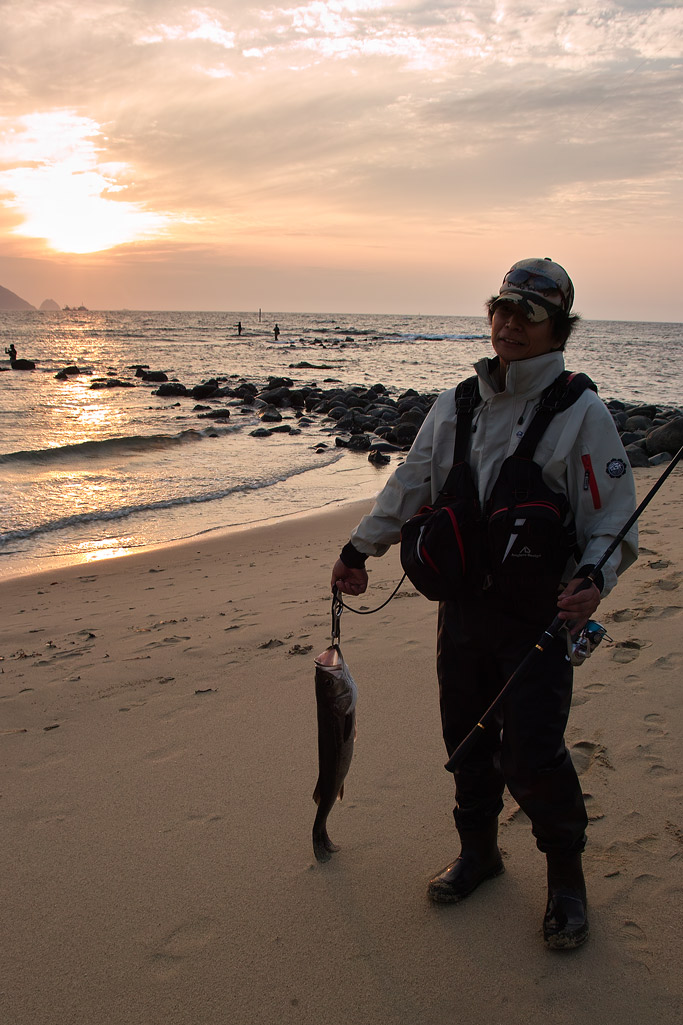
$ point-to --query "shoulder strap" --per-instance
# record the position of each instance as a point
(467, 398)
(560, 395)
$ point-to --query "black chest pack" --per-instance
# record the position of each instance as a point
(520, 543)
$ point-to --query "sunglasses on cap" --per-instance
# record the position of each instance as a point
(531, 281)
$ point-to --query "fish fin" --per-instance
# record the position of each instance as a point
(341, 793)
(316, 793)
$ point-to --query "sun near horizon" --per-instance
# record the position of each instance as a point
(351, 155)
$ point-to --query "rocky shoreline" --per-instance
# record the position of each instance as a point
(371, 419)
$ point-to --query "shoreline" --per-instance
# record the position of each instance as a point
(217, 536)
(347, 477)
(212, 541)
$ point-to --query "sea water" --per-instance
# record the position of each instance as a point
(91, 473)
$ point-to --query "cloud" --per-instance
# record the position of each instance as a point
(65, 194)
(239, 124)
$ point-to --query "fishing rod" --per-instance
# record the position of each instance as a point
(551, 632)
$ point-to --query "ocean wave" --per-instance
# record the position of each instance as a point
(131, 444)
(126, 511)
(442, 338)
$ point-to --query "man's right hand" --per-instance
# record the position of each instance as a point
(347, 580)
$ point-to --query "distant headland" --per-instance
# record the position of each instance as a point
(12, 301)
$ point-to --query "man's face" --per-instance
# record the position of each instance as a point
(514, 337)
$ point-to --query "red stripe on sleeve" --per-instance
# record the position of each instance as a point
(591, 482)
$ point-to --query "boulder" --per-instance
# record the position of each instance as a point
(638, 422)
(62, 375)
(406, 434)
(172, 388)
(275, 396)
(414, 416)
(215, 414)
(637, 456)
(649, 411)
(337, 412)
(204, 391)
(668, 438)
(358, 443)
(629, 437)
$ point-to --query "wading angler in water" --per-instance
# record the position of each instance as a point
(537, 484)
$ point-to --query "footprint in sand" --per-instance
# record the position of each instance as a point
(627, 651)
(621, 615)
(166, 640)
(181, 943)
(669, 583)
(659, 611)
(671, 661)
(655, 724)
(635, 942)
(676, 834)
(593, 808)
(584, 753)
(657, 769)
(164, 754)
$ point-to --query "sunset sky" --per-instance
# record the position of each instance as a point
(346, 156)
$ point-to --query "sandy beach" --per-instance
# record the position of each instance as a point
(158, 743)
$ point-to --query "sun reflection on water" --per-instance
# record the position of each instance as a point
(102, 553)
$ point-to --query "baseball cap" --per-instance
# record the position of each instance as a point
(541, 287)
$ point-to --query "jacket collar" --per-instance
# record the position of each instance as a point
(526, 378)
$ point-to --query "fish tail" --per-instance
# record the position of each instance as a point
(323, 848)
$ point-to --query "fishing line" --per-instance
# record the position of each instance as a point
(367, 612)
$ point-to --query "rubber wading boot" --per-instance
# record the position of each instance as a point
(479, 859)
(565, 925)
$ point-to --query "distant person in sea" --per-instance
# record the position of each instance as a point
(538, 525)
(276, 332)
(239, 327)
(11, 352)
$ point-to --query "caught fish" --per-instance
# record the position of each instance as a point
(335, 695)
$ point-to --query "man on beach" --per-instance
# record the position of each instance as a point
(485, 632)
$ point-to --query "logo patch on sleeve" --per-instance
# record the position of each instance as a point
(616, 468)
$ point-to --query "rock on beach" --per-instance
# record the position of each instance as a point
(360, 418)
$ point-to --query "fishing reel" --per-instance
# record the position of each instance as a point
(587, 641)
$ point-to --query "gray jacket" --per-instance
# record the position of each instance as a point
(580, 454)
